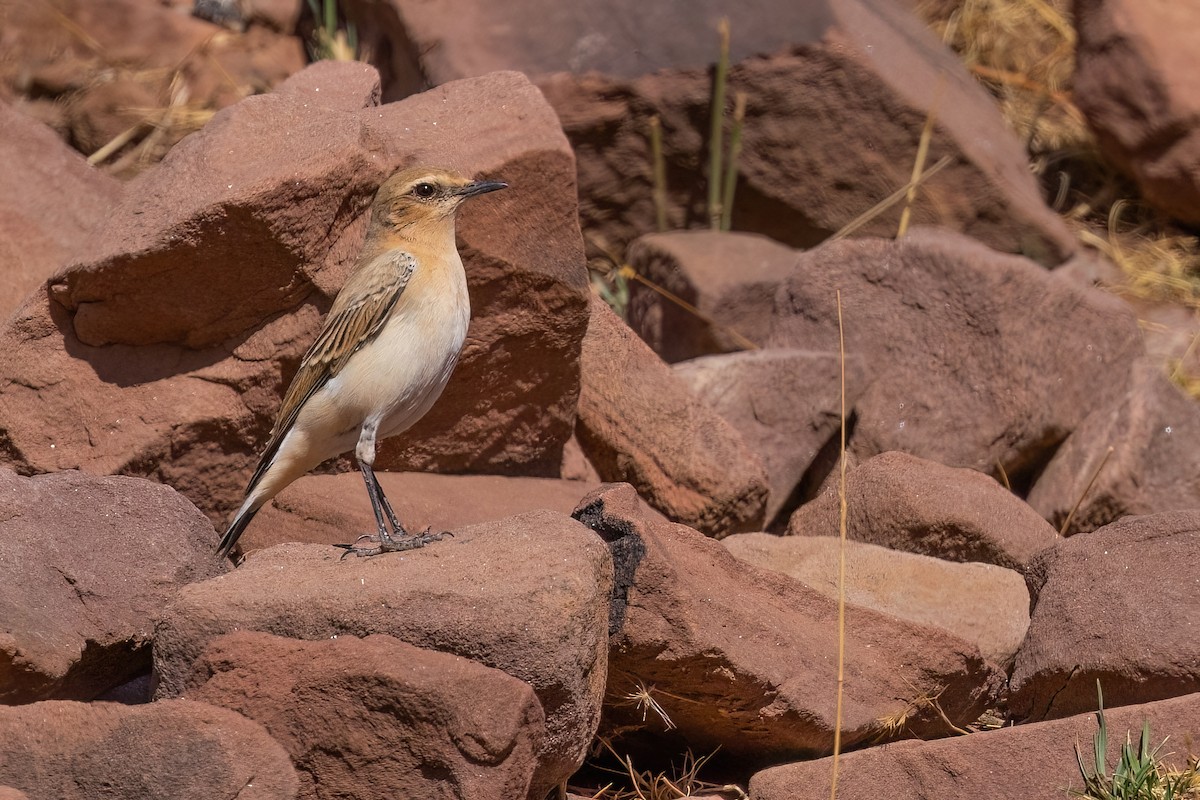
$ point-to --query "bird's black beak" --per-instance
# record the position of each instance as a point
(481, 187)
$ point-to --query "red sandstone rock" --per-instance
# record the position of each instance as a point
(640, 423)
(528, 595)
(1154, 430)
(730, 278)
(746, 659)
(51, 205)
(979, 358)
(979, 603)
(1118, 605)
(1136, 65)
(173, 750)
(908, 503)
(86, 564)
(1028, 761)
(786, 404)
(378, 718)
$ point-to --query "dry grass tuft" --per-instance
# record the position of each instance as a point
(682, 782)
(894, 724)
(642, 698)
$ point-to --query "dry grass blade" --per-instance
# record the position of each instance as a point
(922, 155)
(891, 200)
(73, 28)
(1025, 51)
(841, 583)
(660, 174)
(1066, 526)
(729, 182)
(717, 126)
(1004, 481)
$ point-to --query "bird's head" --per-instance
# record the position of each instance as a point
(422, 196)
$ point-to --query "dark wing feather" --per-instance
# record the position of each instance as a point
(357, 316)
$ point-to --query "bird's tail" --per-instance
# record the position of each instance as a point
(236, 525)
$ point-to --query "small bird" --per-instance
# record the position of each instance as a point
(386, 351)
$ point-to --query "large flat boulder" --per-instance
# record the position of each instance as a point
(745, 659)
(1031, 761)
(325, 509)
(528, 595)
(980, 359)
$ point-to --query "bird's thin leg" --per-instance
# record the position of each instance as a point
(379, 504)
(397, 528)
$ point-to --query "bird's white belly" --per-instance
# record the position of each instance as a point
(394, 379)
(399, 376)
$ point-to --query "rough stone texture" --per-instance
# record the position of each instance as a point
(378, 718)
(1134, 79)
(731, 278)
(786, 404)
(85, 565)
(325, 509)
(979, 603)
(172, 353)
(51, 204)
(939, 317)
(853, 77)
(746, 658)
(528, 595)
(906, 503)
(102, 67)
(1120, 604)
(640, 423)
(1155, 432)
(173, 750)
(619, 39)
(1028, 761)
(575, 465)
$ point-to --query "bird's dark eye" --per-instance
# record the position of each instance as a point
(425, 190)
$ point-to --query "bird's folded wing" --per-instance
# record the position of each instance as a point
(358, 314)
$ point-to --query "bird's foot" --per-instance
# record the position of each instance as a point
(387, 544)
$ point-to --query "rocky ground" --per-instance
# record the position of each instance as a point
(645, 505)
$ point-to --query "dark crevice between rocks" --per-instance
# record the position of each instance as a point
(1027, 466)
(627, 549)
(818, 472)
(385, 41)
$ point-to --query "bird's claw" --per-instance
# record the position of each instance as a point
(387, 544)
